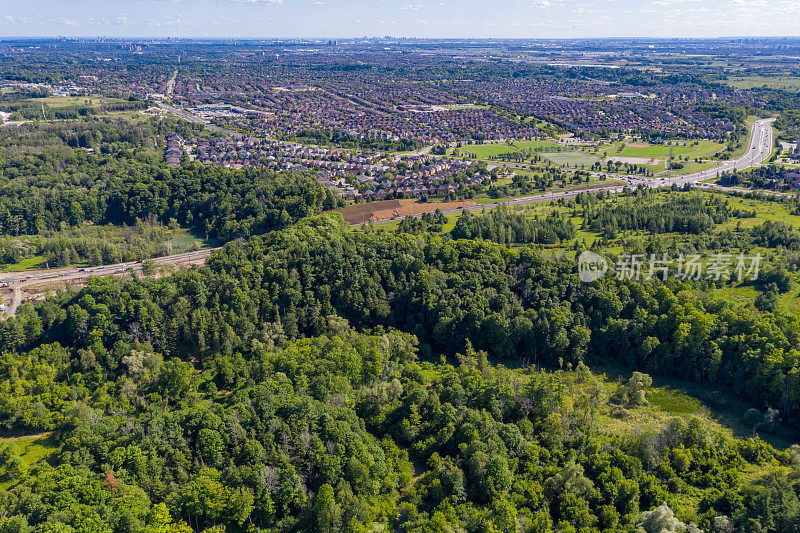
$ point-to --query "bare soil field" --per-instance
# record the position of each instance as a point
(387, 209)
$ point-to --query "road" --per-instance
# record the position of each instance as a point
(19, 281)
(759, 149)
(171, 84)
(185, 115)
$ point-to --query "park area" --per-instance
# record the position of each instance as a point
(490, 150)
(571, 158)
(692, 149)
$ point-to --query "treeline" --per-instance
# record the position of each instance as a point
(504, 226)
(764, 177)
(788, 123)
(93, 245)
(433, 222)
(37, 110)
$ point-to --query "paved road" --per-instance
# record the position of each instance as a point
(759, 149)
(171, 83)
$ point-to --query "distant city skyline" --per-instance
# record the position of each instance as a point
(414, 18)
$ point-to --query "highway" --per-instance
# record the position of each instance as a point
(759, 149)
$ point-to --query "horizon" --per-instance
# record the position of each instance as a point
(432, 19)
(357, 38)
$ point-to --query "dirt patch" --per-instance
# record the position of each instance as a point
(387, 209)
(638, 145)
(16, 434)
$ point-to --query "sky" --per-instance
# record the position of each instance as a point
(399, 18)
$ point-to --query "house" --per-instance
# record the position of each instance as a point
(792, 178)
(795, 154)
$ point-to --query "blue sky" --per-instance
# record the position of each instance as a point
(405, 18)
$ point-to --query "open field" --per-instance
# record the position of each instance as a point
(67, 101)
(361, 213)
(572, 158)
(535, 145)
(690, 167)
(29, 448)
(490, 150)
(484, 151)
(786, 83)
(702, 149)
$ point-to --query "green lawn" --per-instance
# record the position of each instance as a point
(703, 148)
(31, 263)
(572, 158)
(535, 145)
(485, 151)
(490, 150)
(690, 167)
(184, 241)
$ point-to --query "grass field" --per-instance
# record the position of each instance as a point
(31, 263)
(30, 449)
(786, 83)
(485, 151)
(702, 149)
(490, 150)
(534, 145)
(572, 158)
(690, 167)
(671, 397)
(184, 241)
(66, 101)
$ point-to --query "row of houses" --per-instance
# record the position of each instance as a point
(174, 149)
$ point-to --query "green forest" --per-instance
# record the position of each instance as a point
(323, 379)
(59, 181)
